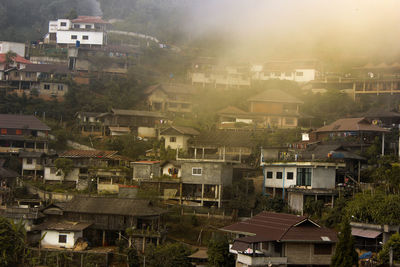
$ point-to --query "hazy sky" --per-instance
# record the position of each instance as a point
(301, 27)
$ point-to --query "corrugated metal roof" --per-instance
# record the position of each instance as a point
(63, 226)
(275, 96)
(89, 19)
(17, 59)
(180, 130)
(270, 226)
(365, 233)
(88, 154)
(232, 110)
(351, 125)
(112, 206)
(29, 122)
(47, 68)
(142, 113)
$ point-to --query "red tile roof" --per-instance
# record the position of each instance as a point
(270, 226)
(17, 59)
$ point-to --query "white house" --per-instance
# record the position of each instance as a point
(176, 137)
(171, 168)
(298, 71)
(87, 30)
(18, 48)
(62, 234)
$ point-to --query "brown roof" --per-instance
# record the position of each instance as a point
(29, 122)
(89, 19)
(351, 125)
(141, 113)
(171, 88)
(232, 110)
(180, 130)
(270, 226)
(113, 206)
(63, 226)
(48, 68)
(88, 154)
(274, 96)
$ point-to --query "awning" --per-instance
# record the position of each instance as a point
(365, 233)
(240, 246)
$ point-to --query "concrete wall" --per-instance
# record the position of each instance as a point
(212, 173)
(95, 38)
(51, 238)
(110, 188)
(323, 178)
(147, 132)
(144, 171)
(296, 201)
(303, 253)
(72, 176)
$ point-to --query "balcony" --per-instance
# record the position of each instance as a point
(260, 260)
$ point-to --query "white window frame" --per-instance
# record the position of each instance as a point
(197, 173)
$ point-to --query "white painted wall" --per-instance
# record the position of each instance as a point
(26, 166)
(95, 38)
(18, 48)
(63, 28)
(51, 238)
(280, 183)
(147, 132)
(181, 141)
(72, 176)
(308, 75)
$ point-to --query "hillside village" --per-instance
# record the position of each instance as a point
(104, 158)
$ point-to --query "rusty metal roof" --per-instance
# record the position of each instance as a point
(63, 226)
(270, 226)
(88, 154)
(275, 96)
(351, 125)
(29, 122)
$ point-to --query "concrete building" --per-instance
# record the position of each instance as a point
(177, 137)
(83, 31)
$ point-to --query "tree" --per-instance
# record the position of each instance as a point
(394, 244)
(12, 243)
(168, 255)
(218, 253)
(345, 254)
(65, 165)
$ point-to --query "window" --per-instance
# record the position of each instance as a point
(46, 87)
(269, 175)
(60, 87)
(53, 170)
(288, 74)
(63, 24)
(29, 161)
(196, 171)
(278, 175)
(277, 74)
(88, 26)
(303, 177)
(299, 73)
(289, 175)
(27, 74)
(172, 139)
(16, 74)
(74, 37)
(322, 249)
(62, 238)
(3, 131)
(85, 37)
(77, 26)
(18, 132)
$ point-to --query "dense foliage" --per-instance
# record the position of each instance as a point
(12, 243)
(168, 255)
(218, 253)
(345, 254)
(394, 244)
